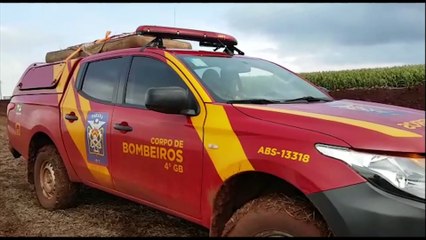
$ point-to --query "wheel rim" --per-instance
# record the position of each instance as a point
(273, 233)
(47, 180)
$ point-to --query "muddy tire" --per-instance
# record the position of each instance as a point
(276, 215)
(53, 188)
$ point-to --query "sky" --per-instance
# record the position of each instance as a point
(302, 37)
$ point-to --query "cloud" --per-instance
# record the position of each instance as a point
(345, 24)
(309, 35)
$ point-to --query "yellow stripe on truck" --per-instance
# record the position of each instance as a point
(391, 131)
(205, 97)
(77, 133)
(99, 172)
(229, 158)
(197, 121)
(60, 73)
(74, 129)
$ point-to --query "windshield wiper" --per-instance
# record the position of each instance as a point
(254, 101)
(308, 99)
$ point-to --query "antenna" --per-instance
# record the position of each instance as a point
(174, 15)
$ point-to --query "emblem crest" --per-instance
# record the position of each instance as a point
(96, 128)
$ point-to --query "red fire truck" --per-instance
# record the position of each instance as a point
(240, 145)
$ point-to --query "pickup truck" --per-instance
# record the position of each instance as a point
(239, 145)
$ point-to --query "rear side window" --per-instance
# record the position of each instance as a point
(102, 78)
(39, 77)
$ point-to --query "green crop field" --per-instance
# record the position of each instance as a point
(390, 77)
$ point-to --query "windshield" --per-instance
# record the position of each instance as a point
(236, 79)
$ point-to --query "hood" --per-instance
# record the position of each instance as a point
(363, 125)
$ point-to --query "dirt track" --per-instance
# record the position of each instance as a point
(97, 214)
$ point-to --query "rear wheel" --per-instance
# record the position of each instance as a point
(276, 215)
(53, 188)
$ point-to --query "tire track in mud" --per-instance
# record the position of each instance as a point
(97, 213)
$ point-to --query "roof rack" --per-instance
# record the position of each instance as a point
(109, 43)
(205, 38)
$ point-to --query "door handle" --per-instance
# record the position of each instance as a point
(71, 117)
(123, 127)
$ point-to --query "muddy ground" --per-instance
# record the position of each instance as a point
(97, 214)
(412, 97)
(102, 214)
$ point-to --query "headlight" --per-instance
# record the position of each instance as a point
(405, 173)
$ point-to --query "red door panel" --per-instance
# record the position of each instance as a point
(159, 160)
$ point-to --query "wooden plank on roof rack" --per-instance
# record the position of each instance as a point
(119, 42)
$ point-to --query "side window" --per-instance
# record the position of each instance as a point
(102, 78)
(146, 73)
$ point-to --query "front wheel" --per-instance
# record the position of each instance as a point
(53, 188)
(276, 215)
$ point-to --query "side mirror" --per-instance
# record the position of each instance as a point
(171, 100)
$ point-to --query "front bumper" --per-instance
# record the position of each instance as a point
(364, 210)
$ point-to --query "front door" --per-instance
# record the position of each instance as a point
(157, 156)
